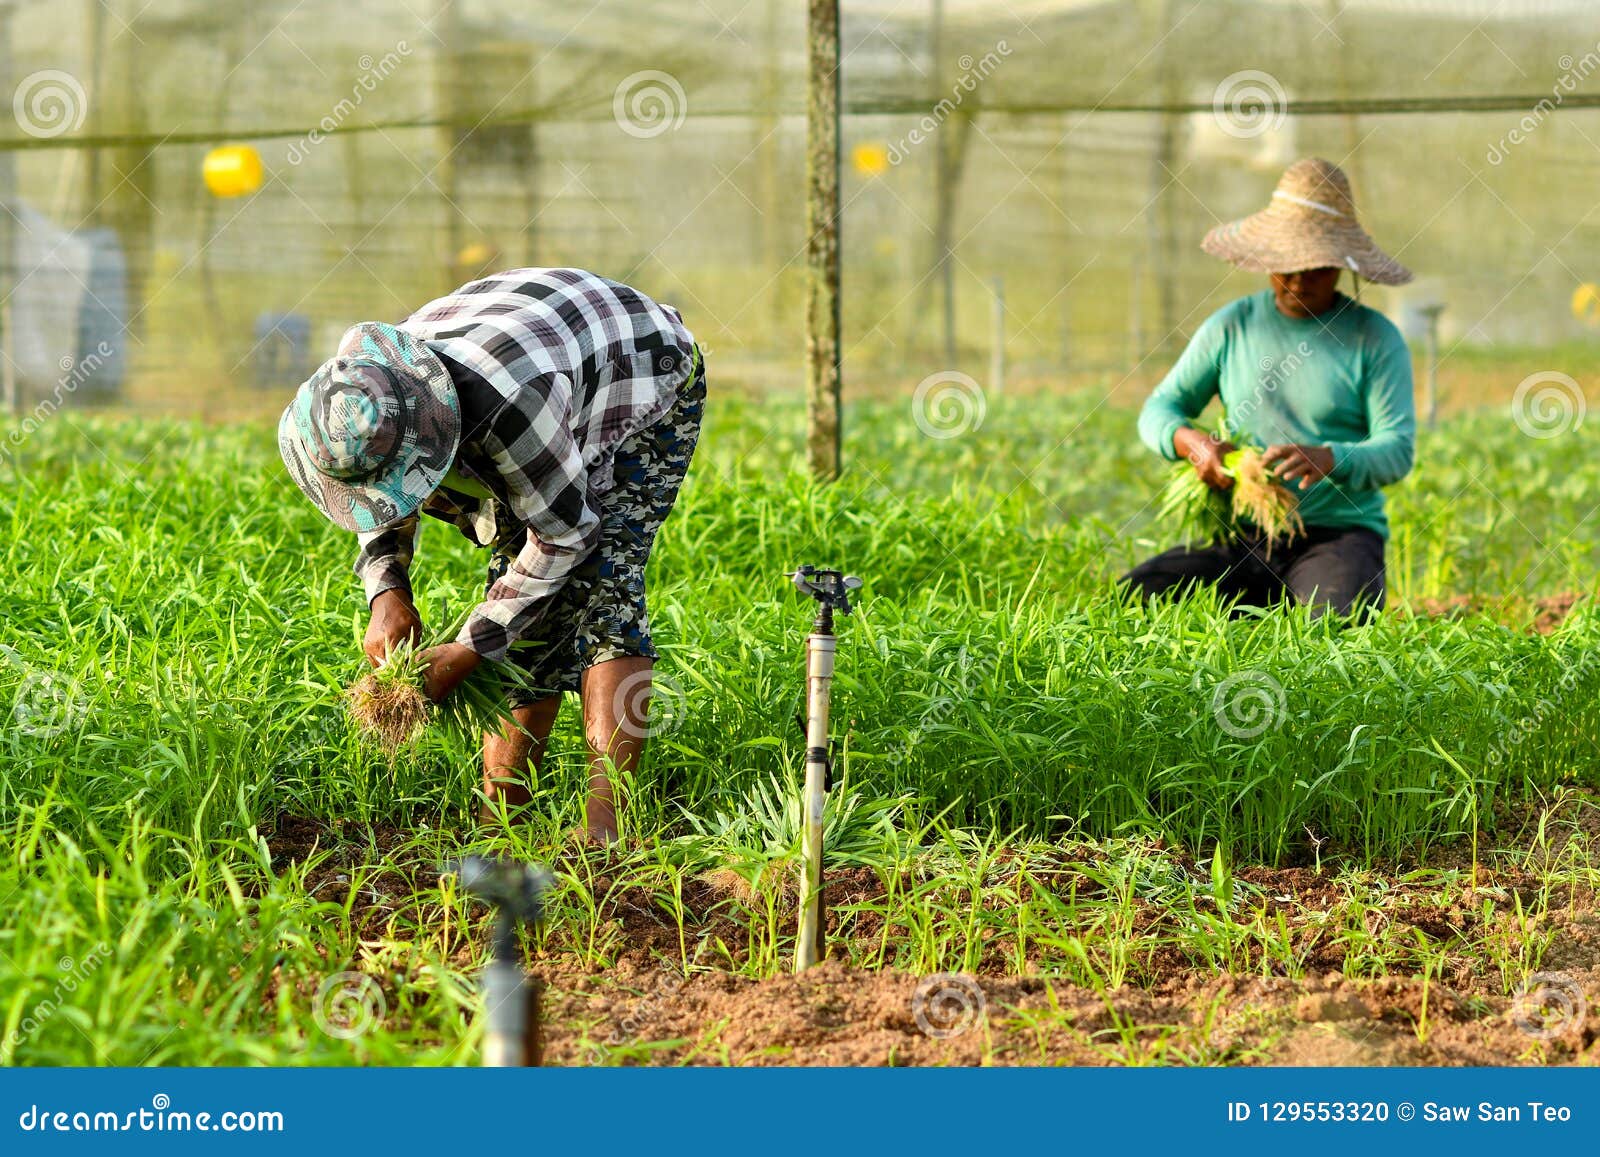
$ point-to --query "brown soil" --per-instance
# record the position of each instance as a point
(641, 1009)
(1542, 616)
(837, 1015)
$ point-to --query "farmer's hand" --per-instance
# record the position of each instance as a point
(1307, 463)
(1205, 453)
(394, 620)
(448, 666)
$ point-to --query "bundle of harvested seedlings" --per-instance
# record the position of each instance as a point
(1261, 500)
(389, 702)
(1198, 513)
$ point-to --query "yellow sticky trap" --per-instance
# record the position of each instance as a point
(1586, 303)
(232, 170)
(870, 159)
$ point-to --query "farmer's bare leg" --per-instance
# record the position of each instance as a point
(615, 703)
(511, 758)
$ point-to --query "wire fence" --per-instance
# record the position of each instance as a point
(1025, 184)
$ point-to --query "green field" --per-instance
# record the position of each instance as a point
(1041, 782)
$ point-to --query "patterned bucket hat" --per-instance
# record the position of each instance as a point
(1310, 224)
(371, 434)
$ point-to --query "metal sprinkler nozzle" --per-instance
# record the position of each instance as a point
(516, 893)
(831, 589)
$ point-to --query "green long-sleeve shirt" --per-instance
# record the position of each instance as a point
(1341, 380)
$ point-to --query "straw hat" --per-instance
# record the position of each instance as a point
(1311, 224)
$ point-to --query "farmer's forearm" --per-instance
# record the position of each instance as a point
(518, 601)
(394, 621)
(496, 623)
(1190, 442)
(449, 664)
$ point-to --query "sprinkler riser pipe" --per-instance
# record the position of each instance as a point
(820, 652)
(505, 1004)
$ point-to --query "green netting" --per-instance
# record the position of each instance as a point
(1071, 153)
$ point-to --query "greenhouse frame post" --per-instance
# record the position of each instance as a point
(822, 240)
(10, 387)
(1430, 382)
(997, 340)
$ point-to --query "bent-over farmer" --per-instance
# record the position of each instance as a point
(1318, 379)
(550, 416)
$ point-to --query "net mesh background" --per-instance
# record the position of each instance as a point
(1071, 153)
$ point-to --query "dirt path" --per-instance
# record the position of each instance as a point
(1442, 941)
(835, 1015)
(1541, 615)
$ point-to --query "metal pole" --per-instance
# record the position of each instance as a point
(8, 240)
(831, 589)
(997, 344)
(769, 144)
(512, 1036)
(1066, 295)
(448, 102)
(943, 196)
(505, 1043)
(1432, 380)
(1162, 229)
(820, 650)
(822, 240)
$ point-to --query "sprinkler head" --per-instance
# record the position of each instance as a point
(515, 890)
(831, 588)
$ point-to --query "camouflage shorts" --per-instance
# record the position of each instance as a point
(599, 612)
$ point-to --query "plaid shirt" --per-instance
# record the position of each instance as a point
(554, 369)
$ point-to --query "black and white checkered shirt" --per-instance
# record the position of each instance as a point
(554, 369)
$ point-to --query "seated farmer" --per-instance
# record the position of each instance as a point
(550, 415)
(1321, 381)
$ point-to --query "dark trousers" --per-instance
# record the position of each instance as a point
(1331, 569)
